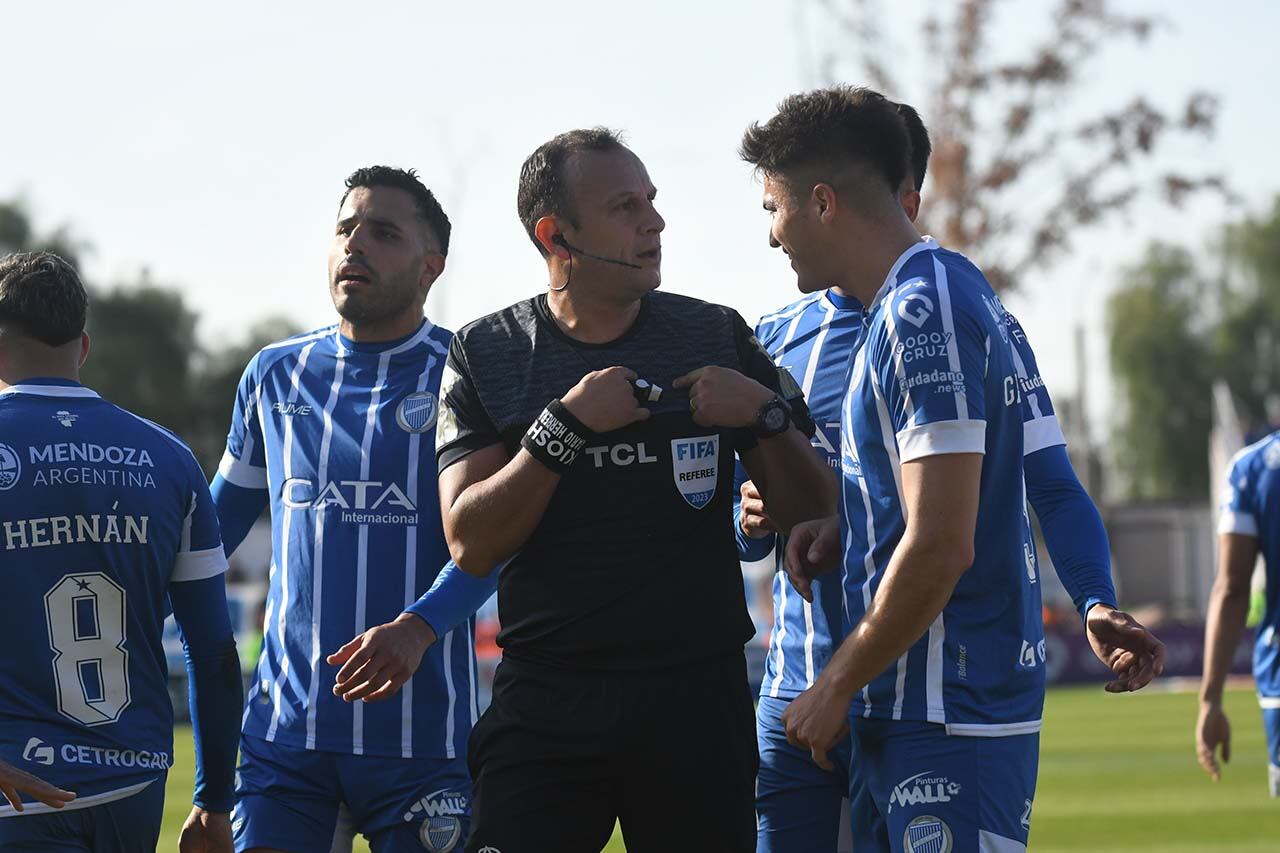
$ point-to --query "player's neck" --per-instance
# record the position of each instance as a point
(871, 259)
(381, 331)
(586, 316)
(16, 370)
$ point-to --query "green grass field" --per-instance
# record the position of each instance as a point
(1117, 775)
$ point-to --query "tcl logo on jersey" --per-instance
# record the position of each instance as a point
(300, 493)
(621, 455)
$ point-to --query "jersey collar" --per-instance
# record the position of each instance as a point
(45, 387)
(842, 303)
(926, 244)
(346, 345)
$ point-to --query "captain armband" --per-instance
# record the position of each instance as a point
(556, 438)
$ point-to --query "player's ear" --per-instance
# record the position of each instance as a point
(910, 203)
(545, 231)
(84, 348)
(824, 199)
(432, 268)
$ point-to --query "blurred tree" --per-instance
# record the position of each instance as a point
(1163, 369)
(18, 234)
(217, 380)
(1246, 342)
(145, 355)
(1013, 177)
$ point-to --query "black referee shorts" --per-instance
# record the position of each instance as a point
(561, 754)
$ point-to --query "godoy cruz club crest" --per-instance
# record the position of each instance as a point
(417, 412)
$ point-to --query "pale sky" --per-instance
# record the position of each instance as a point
(209, 144)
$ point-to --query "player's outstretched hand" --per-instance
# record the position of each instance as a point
(754, 521)
(14, 783)
(1133, 653)
(206, 832)
(605, 400)
(815, 720)
(1212, 731)
(813, 549)
(376, 664)
(722, 397)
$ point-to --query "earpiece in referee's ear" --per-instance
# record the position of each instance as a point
(559, 240)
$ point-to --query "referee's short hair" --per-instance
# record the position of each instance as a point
(543, 190)
(42, 298)
(828, 135)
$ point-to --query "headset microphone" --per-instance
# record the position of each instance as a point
(559, 238)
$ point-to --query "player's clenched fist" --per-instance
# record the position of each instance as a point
(813, 549)
(722, 397)
(754, 521)
(605, 400)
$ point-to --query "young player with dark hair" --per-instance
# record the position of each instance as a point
(107, 523)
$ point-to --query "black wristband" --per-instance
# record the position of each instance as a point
(556, 438)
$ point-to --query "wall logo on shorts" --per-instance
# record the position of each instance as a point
(10, 467)
(417, 412)
(695, 466)
(441, 813)
(927, 834)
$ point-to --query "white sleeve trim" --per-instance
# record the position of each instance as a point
(1039, 433)
(242, 474)
(936, 439)
(1231, 521)
(198, 565)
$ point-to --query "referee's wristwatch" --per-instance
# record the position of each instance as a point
(774, 418)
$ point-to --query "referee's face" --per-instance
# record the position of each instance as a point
(613, 200)
(382, 261)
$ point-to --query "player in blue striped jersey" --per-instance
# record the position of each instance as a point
(931, 432)
(334, 430)
(1248, 526)
(107, 523)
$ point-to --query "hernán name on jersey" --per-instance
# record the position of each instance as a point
(72, 529)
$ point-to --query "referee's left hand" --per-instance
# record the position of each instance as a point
(722, 397)
(377, 663)
(816, 720)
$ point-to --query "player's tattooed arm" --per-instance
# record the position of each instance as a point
(15, 782)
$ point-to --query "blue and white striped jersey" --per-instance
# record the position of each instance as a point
(813, 337)
(936, 374)
(100, 513)
(1252, 508)
(340, 435)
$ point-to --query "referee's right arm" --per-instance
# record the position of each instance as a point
(490, 500)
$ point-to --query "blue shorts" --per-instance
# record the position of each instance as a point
(938, 792)
(801, 808)
(1271, 724)
(287, 798)
(120, 826)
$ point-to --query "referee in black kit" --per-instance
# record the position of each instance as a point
(588, 436)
